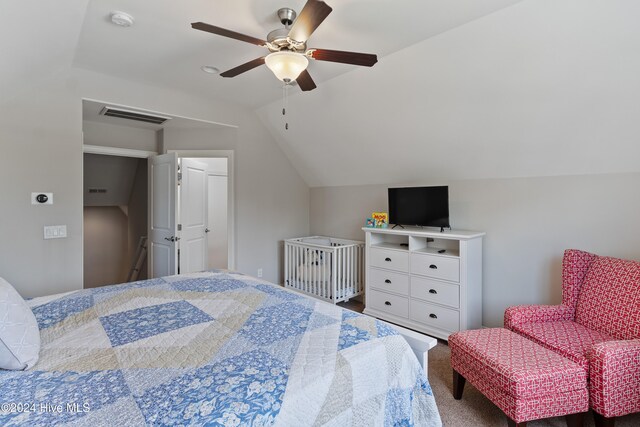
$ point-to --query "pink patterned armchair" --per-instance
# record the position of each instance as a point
(597, 326)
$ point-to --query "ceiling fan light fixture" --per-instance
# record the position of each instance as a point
(286, 65)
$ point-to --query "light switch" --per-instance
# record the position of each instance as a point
(55, 231)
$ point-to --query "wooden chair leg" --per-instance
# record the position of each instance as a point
(458, 385)
(575, 420)
(512, 423)
(603, 421)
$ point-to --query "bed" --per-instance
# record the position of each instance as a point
(214, 348)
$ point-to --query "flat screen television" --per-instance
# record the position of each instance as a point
(423, 206)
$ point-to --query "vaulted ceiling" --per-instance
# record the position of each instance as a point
(40, 38)
(464, 89)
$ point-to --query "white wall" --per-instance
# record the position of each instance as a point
(110, 135)
(541, 88)
(41, 139)
(529, 223)
(546, 89)
(271, 199)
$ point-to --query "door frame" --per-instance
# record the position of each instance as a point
(116, 151)
(231, 198)
(106, 151)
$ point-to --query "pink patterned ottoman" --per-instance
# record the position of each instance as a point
(527, 381)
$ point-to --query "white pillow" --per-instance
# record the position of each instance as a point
(19, 334)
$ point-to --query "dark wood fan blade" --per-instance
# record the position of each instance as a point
(243, 68)
(353, 58)
(305, 81)
(227, 33)
(312, 15)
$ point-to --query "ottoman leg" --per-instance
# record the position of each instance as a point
(512, 423)
(458, 385)
(575, 420)
(603, 421)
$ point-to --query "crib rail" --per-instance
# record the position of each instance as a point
(327, 268)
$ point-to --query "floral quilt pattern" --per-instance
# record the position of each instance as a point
(213, 348)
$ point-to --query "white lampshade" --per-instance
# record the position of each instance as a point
(286, 65)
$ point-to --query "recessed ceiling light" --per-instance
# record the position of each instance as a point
(122, 19)
(210, 69)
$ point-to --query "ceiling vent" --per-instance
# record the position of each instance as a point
(133, 115)
(97, 190)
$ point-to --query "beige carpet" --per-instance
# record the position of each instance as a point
(474, 409)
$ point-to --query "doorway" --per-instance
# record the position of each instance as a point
(138, 143)
(206, 205)
(191, 220)
(115, 219)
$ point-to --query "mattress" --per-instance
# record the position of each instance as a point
(213, 348)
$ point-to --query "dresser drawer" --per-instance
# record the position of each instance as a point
(393, 260)
(435, 316)
(438, 267)
(392, 304)
(434, 291)
(389, 281)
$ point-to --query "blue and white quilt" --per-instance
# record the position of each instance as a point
(213, 348)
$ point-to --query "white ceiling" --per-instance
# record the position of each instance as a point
(162, 48)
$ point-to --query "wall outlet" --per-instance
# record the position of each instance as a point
(259, 272)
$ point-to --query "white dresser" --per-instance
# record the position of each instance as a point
(429, 281)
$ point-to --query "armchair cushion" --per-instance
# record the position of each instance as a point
(609, 301)
(567, 338)
(524, 314)
(614, 387)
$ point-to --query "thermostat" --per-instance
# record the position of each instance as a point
(40, 198)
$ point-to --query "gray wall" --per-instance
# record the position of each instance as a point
(106, 257)
(41, 140)
(529, 222)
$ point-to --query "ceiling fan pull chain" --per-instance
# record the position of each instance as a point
(285, 99)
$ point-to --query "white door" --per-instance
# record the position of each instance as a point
(218, 239)
(163, 230)
(193, 216)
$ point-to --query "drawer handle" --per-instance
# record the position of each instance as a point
(433, 316)
(387, 303)
(388, 259)
(433, 291)
(433, 266)
(387, 281)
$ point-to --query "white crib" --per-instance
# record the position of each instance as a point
(324, 267)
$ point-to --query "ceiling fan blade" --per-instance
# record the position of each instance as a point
(227, 33)
(305, 81)
(311, 16)
(243, 68)
(354, 58)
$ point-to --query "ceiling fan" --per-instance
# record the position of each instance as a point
(288, 46)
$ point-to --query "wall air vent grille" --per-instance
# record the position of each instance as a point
(133, 115)
(97, 190)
